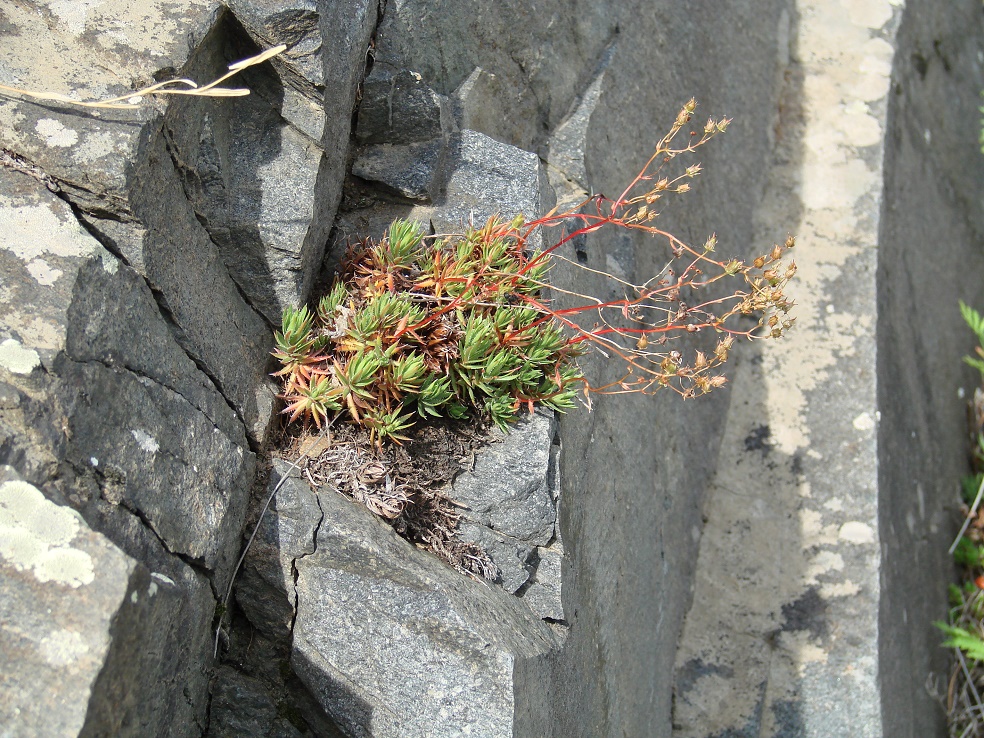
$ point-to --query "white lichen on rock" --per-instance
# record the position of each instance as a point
(36, 535)
(17, 359)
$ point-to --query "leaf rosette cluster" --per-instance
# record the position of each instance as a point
(419, 326)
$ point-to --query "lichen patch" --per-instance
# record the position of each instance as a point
(56, 134)
(43, 273)
(35, 536)
(32, 231)
(146, 441)
(856, 532)
(62, 647)
(17, 359)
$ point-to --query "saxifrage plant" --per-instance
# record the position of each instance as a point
(420, 325)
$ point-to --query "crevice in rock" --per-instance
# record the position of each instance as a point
(113, 248)
(314, 550)
(193, 563)
(103, 482)
(178, 333)
(144, 376)
(104, 240)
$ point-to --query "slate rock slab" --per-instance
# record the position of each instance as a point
(477, 106)
(392, 642)
(242, 707)
(265, 588)
(483, 177)
(398, 107)
(84, 628)
(125, 403)
(507, 500)
(102, 409)
(62, 586)
(409, 170)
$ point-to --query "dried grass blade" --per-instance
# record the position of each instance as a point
(123, 102)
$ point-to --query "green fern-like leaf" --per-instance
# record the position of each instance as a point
(970, 643)
(974, 320)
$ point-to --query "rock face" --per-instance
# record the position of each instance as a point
(443, 647)
(509, 500)
(146, 255)
(105, 411)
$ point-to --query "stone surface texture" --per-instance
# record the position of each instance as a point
(442, 647)
(794, 530)
(823, 562)
(144, 255)
(508, 499)
(934, 175)
(782, 635)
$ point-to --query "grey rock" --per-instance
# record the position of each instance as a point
(155, 454)
(284, 224)
(512, 556)
(171, 249)
(542, 55)
(442, 647)
(262, 173)
(242, 708)
(126, 403)
(482, 177)
(297, 23)
(63, 584)
(399, 108)
(105, 411)
(88, 636)
(408, 170)
(89, 153)
(153, 681)
(118, 170)
(477, 105)
(265, 589)
(509, 474)
(544, 594)
(508, 505)
(566, 142)
(252, 169)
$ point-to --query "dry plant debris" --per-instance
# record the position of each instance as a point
(406, 485)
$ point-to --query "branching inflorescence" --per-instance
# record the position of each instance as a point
(432, 325)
